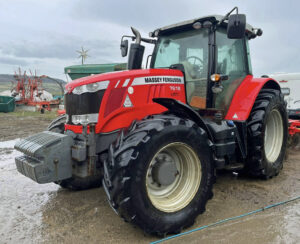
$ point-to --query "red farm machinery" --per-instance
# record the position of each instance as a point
(29, 91)
(155, 137)
(294, 133)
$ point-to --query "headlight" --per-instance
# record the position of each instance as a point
(78, 90)
(85, 119)
(92, 87)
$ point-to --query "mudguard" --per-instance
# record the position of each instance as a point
(182, 110)
(245, 96)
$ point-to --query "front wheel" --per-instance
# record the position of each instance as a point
(267, 134)
(160, 175)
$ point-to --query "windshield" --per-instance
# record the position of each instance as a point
(189, 48)
(177, 48)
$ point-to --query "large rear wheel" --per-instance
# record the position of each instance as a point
(159, 175)
(267, 134)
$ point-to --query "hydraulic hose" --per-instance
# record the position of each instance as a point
(227, 220)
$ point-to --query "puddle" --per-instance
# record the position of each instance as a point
(8, 144)
(276, 225)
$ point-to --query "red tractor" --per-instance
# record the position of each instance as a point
(155, 137)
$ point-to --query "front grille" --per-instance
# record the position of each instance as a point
(86, 103)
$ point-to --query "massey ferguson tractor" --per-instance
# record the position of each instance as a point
(155, 137)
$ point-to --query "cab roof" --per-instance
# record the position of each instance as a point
(188, 24)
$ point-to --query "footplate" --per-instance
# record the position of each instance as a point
(47, 157)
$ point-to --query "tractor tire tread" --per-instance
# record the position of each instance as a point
(255, 165)
(117, 177)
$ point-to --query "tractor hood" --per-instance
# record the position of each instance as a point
(113, 100)
(113, 78)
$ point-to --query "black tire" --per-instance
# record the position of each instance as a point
(74, 183)
(126, 169)
(58, 124)
(79, 184)
(268, 101)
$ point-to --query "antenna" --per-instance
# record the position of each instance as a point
(83, 54)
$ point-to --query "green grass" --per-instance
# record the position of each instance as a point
(47, 115)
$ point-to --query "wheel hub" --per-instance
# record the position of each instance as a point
(164, 170)
(173, 177)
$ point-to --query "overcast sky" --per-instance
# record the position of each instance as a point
(44, 35)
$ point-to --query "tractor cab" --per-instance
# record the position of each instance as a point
(212, 52)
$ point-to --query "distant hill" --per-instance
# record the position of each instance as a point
(9, 78)
(48, 84)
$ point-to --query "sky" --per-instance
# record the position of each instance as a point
(44, 35)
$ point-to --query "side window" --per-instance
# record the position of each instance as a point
(231, 56)
(232, 60)
(248, 56)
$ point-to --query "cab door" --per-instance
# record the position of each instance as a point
(233, 60)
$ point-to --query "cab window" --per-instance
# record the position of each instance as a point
(231, 61)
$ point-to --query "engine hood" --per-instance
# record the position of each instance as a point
(113, 77)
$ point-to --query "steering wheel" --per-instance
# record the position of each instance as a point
(197, 68)
(195, 58)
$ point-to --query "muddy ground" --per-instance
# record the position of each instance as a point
(33, 213)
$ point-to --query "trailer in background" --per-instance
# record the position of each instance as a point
(290, 86)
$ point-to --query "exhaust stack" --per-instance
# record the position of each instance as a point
(136, 52)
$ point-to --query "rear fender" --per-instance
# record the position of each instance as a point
(182, 110)
(245, 96)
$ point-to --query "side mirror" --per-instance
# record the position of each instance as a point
(124, 48)
(236, 26)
